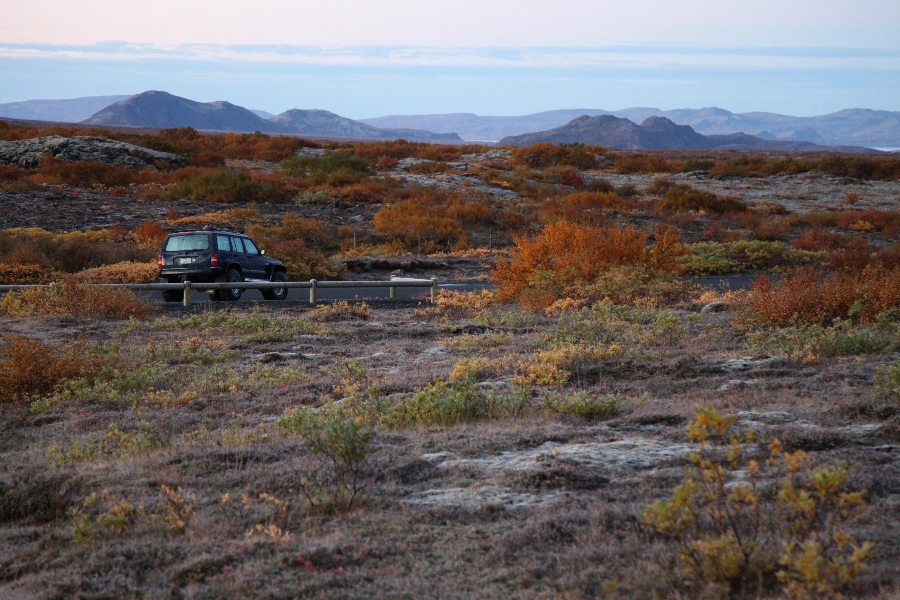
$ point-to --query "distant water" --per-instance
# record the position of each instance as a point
(887, 149)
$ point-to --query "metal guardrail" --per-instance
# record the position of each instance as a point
(312, 285)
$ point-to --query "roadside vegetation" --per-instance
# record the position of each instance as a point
(599, 423)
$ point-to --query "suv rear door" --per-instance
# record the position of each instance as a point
(239, 256)
(185, 251)
(223, 249)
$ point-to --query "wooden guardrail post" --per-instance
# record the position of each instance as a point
(312, 291)
(393, 292)
(433, 289)
(187, 293)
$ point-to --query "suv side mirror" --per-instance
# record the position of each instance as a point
(261, 251)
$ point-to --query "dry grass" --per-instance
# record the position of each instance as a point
(91, 464)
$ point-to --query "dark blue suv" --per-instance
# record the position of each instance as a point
(220, 256)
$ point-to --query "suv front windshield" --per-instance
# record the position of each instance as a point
(180, 243)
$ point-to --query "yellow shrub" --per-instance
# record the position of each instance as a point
(123, 272)
(27, 274)
(73, 298)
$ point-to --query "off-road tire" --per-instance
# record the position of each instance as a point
(276, 293)
(230, 295)
(173, 295)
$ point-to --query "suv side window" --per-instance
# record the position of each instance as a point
(222, 243)
(250, 246)
(236, 245)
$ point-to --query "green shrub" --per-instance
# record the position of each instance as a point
(888, 381)
(678, 198)
(340, 446)
(581, 404)
(445, 404)
(429, 168)
(806, 343)
(328, 164)
(227, 187)
(718, 258)
(118, 443)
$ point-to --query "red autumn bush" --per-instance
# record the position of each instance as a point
(588, 208)
(567, 256)
(546, 154)
(817, 297)
(421, 225)
(642, 163)
(149, 234)
(29, 369)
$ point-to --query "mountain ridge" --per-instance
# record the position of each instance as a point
(160, 109)
(855, 126)
(70, 110)
(657, 133)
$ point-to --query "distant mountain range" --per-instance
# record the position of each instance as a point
(162, 109)
(854, 127)
(72, 110)
(657, 133)
(156, 109)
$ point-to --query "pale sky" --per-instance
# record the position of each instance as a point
(365, 58)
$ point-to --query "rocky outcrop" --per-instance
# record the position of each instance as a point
(28, 153)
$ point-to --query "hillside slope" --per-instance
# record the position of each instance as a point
(657, 133)
(162, 109)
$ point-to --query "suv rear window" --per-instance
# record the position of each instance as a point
(179, 243)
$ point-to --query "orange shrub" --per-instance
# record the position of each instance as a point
(566, 256)
(854, 256)
(816, 240)
(73, 298)
(642, 163)
(25, 274)
(420, 224)
(29, 369)
(124, 272)
(819, 298)
(149, 234)
(303, 263)
(885, 221)
(82, 173)
(11, 173)
(386, 162)
(679, 197)
(69, 252)
(548, 154)
(588, 208)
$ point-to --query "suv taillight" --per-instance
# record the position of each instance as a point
(214, 260)
(159, 262)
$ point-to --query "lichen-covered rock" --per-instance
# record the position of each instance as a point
(714, 307)
(28, 153)
(747, 363)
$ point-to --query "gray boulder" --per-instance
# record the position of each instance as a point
(28, 153)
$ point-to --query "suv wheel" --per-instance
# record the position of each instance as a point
(276, 293)
(233, 294)
(172, 295)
